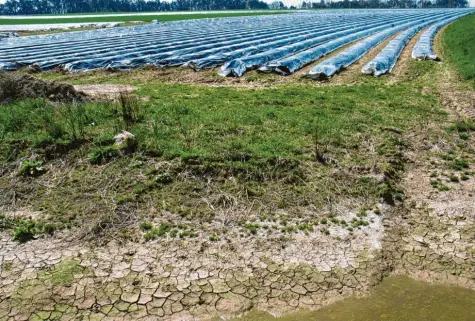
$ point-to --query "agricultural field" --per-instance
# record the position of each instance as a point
(148, 172)
(267, 43)
(95, 18)
(47, 24)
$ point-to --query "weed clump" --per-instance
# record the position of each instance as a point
(130, 109)
(252, 228)
(399, 196)
(463, 127)
(167, 229)
(459, 164)
(362, 213)
(24, 232)
(146, 226)
(157, 233)
(102, 155)
(464, 136)
(32, 169)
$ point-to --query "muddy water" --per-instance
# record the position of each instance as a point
(397, 298)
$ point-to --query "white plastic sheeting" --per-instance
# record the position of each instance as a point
(87, 50)
(239, 66)
(279, 42)
(57, 26)
(423, 48)
(386, 59)
(333, 65)
(292, 63)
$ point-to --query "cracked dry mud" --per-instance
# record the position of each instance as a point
(431, 237)
(48, 279)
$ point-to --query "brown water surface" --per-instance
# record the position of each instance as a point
(397, 298)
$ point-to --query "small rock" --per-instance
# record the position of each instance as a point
(123, 137)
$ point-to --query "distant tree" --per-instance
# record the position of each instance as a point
(277, 5)
(256, 4)
(319, 5)
(16, 7)
(457, 3)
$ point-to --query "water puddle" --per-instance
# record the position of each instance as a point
(397, 298)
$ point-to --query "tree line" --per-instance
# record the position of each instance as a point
(22, 7)
(388, 4)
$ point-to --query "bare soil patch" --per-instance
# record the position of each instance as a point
(109, 91)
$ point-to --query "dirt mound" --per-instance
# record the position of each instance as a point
(24, 86)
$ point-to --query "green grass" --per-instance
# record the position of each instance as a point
(266, 139)
(122, 18)
(228, 124)
(201, 151)
(155, 12)
(460, 38)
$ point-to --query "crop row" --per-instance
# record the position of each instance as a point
(274, 43)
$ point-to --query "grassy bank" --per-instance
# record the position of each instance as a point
(278, 158)
(122, 18)
(459, 39)
(211, 158)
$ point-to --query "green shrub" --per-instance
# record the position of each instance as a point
(24, 231)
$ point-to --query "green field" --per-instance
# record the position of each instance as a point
(147, 18)
(460, 38)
